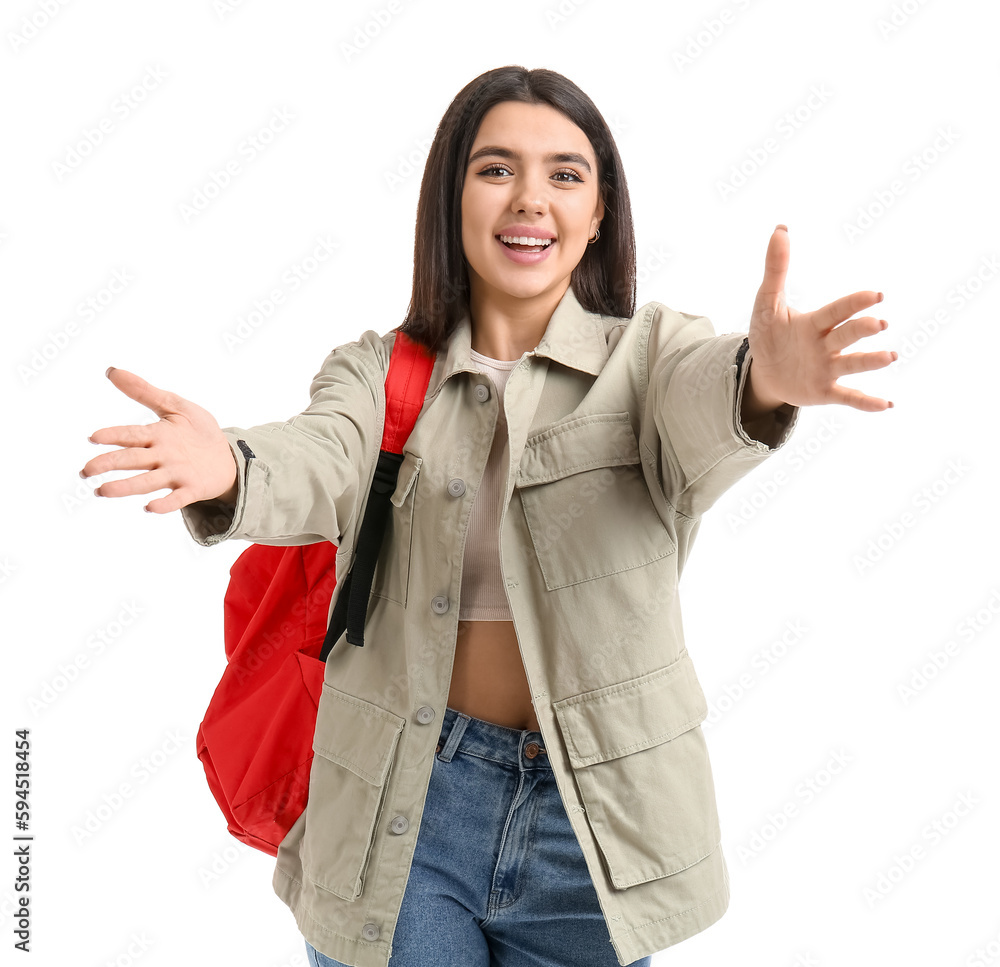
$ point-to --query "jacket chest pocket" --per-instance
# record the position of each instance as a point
(586, 502)
(355, 744)
(641, 766)
(392, 571)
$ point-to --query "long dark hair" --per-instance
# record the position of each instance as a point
(603, 280)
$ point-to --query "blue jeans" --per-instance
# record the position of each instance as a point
(498, 878)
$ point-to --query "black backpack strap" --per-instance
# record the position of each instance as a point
(351, 608)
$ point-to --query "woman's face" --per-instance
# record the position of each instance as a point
(531, 173)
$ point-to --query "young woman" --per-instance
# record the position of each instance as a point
(512, 771)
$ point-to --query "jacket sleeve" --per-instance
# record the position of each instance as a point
(300, 481)
(695, 391)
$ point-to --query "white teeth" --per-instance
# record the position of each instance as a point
(526, 240)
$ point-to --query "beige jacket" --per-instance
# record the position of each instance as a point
(622, 433)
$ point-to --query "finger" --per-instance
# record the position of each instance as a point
(133, 458)
(136, 435)
(863, 362)
(173, 501)
(141, 483)
(860, 401)
(775, 268)
(161, 402)
(834, 313)
(853, 330)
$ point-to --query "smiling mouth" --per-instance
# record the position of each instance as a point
(525, 243)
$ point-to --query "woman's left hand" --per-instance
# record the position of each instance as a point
(796, 356)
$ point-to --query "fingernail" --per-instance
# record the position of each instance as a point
(891, 404)
(148, 511)
(783, 227)
(82, 474)
(895, 355)
(107, 372)
(96, 493)
(881, 296)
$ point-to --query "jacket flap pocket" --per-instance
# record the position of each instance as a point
(627, 717)
(588, 442)
(641, 766)
(356, 734)
(407, 474)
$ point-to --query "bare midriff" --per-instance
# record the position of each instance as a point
(487, 679)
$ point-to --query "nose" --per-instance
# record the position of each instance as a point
(529, 196)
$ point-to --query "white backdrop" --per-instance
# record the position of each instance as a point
(859, 818)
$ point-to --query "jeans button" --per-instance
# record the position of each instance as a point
(532, 749)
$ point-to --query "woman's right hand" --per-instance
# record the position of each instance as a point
(185, 451)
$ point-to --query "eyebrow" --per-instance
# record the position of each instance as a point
(560, 156)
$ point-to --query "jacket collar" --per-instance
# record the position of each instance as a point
(573, 337)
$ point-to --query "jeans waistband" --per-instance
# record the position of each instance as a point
(516, 748)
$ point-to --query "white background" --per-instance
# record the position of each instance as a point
(785, 553)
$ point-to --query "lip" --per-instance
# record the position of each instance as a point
(525, 258)
(531, 231)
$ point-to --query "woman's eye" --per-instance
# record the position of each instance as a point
(497, 170)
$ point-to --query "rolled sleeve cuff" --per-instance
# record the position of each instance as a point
(773, 428)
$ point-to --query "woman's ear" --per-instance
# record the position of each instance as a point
(599, 211)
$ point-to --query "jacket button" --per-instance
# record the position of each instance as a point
(440, 603)
(399, 824)
(370, 931)
(456, 487)
(482, 392)
(425, 715)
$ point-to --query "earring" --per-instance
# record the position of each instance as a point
(590, 241)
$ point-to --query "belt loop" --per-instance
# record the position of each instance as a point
(450, 746)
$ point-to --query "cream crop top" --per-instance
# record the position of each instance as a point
(482, 596)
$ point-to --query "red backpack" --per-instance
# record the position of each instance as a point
(255, 741)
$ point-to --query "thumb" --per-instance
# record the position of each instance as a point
(775, 265)
(160, 401)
